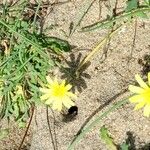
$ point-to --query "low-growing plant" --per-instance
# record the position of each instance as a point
(26, 57)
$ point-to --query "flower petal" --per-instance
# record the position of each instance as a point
(147, 111)
(136, 99)
(57, 105)
(56, 94)
(136, 89)
(140, 105)
(70, 94)
(68, 103)
(45, 96)
(55, 82)
(141, 82)
(49, 101)
(45, 90)
(68, 87)
(63, 83)
(49, 80)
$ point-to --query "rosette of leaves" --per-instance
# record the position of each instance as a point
(26, 64)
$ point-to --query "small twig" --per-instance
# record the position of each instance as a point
(36, 14)
(115, 9)
(60, 3)
(50, 131)
(27, 129)
(134, 40)
(56, 146)
(100, 9)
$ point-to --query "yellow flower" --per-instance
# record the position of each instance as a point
(19, 90)
(142, 95)
(57, 94)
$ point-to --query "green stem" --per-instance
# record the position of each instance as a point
(106, 23)
(95, 122)
(36, 13)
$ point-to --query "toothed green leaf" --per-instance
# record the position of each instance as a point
(142, 15)
(3, 133)
(131, 4)
(147, 2)
(107, 138)
(124, 146)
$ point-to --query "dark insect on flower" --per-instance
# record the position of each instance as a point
(71, 115)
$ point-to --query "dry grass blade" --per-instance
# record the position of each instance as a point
(97, 47)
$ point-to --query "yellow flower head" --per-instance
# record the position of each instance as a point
(57, 94)
(142, 97)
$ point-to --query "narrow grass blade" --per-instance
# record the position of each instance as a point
(95, 122)
(96, 48)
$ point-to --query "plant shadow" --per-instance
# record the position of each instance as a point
(145, 63)
(70, 73)
(130, 141)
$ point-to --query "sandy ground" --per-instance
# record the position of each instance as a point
(107, 79)
(110, 72)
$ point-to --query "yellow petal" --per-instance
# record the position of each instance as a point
(68, 103)
(68, 87)
(140, 105)
(140, 81)
(136, 89)
(49, 80)
(55, 81)
(136, 99)
(70, 94)
(57, 105)
(149, 78)
(49, 101)
(147, 111)
(45, 90)
(63, 83)
(45, 96)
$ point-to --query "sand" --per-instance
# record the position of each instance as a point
(111, 70)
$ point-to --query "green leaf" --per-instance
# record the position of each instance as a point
(58, 45)
(22, 105)
(147, 2)
(3, 133)
(131, 4)
(21, 124)
(107, 139)
(142, 15)
(24, 24)
(16, 110)
(124, 146)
